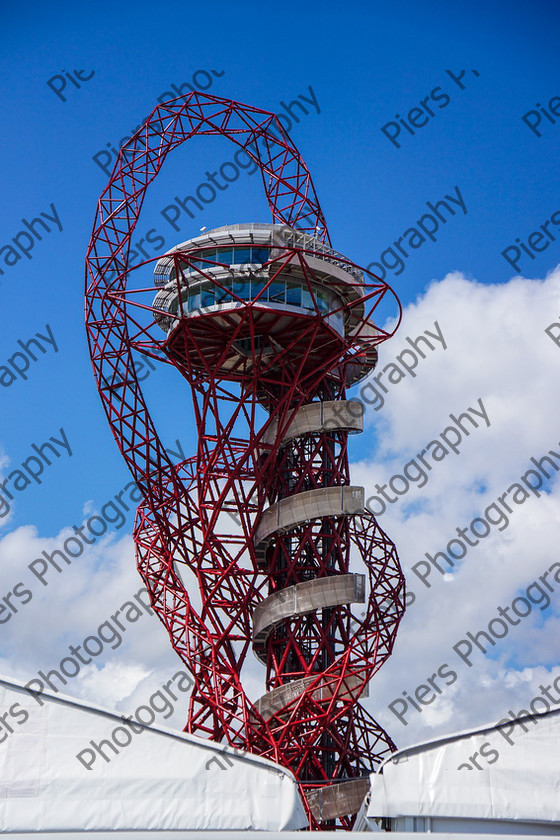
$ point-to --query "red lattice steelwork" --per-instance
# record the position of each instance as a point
(253, 542)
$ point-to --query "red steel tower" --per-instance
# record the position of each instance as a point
(259, 542)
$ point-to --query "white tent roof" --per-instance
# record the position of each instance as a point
(434, 780)
(160, 780)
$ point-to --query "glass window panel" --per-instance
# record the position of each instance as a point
(242, 288)
(210, 255)
(293, 294)
(322, 301)
(256, 288)
(306, 299)
(277, 292)
(207, 296)
(184, 302)
(224, 255)
(194, 301)
(260, 255)
(241, 255)
(224, 296)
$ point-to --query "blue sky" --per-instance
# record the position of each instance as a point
(363, 69)
(364, 64)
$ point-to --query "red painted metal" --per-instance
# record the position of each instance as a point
(195, 529)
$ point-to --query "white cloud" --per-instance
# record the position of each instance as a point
(72, 606)
(497, 350)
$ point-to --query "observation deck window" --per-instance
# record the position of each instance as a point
(277, 292)
(230, 256)
(207, 296)
(194, 301)
(257, 287)
(223, 295)
(307, 299)
(242, 289)
(293, 293)
(322, 301)
(282, 292)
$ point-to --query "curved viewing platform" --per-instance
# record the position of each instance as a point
(289, 513)
(279, 700)
(320, 416)
(230, 266)
(302, 598)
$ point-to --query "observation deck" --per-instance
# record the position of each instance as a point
(282, 276)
